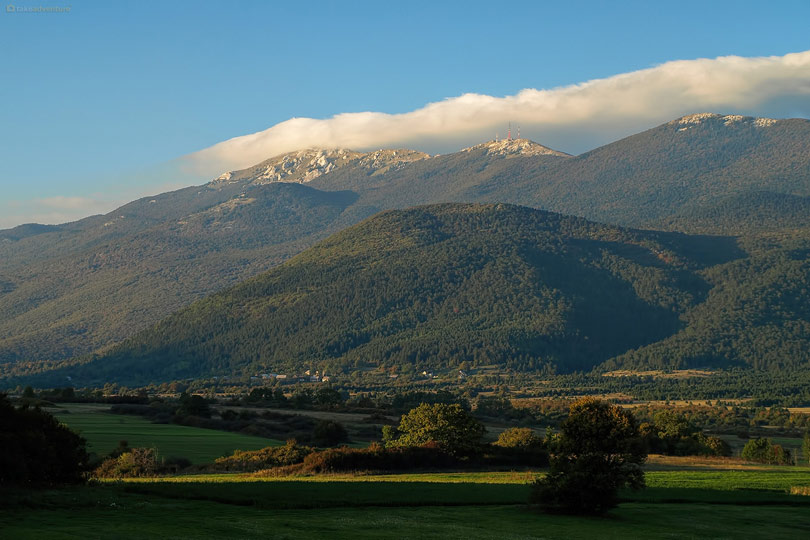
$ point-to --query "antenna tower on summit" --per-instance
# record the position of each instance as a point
(518, 135)
(509, 132)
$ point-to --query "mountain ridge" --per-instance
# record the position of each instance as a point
(71, 289)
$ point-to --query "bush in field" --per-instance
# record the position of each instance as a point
(519, 438)
(193, 405)
(781, 455)
(517, 446)
(672, 433)
(35, 449)
(763, 450)
(597, 452)
(374, 458)
(329, 433)
(327, 398)
(174, 465)
(806, 447)
(275, 398)
(448, 426)
(714, 446)
(266, 458)
(498, 407)
(134, 463)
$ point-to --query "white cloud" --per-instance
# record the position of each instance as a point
(572, 118)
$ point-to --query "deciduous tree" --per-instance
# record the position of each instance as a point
(597, 452)
(449, 426)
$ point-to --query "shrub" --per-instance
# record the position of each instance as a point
(329, 433)
(175, 464)
(193, 405)
(715, 446)
(229, 415)
(327, 398)
(673, 434)
(517, 446)
(266, 458)
(495, 407)
(763, 450)
(519, 438)
(374, 458)
(134, 463)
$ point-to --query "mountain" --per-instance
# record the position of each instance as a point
(76, 288)
(89, 284)
(679, 166)
(72, 289)
(698, 165)
(430, 288)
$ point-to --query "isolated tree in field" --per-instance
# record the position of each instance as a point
(806, 447)
(763, 450)
(447, 425)
(597, 452)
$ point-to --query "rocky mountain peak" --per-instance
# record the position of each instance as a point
(515, 147)
(685, 122)
(305, 165)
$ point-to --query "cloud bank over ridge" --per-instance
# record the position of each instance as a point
(572, 118)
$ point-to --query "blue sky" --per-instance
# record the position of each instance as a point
(98, 98)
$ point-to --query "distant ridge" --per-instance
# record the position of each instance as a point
(80, 287)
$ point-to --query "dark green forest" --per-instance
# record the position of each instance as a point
(457, 285)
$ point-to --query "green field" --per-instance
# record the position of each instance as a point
(103, 431)
(690, 499)
(438, 505)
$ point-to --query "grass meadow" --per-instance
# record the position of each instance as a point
(103, 431)
(679, 504)
(685, 498)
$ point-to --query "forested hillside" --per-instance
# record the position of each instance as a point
(743, 214)
(124, 276)
(757, 315)
(76, 288)
(434, 287)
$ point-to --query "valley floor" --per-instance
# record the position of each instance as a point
(709, 503)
